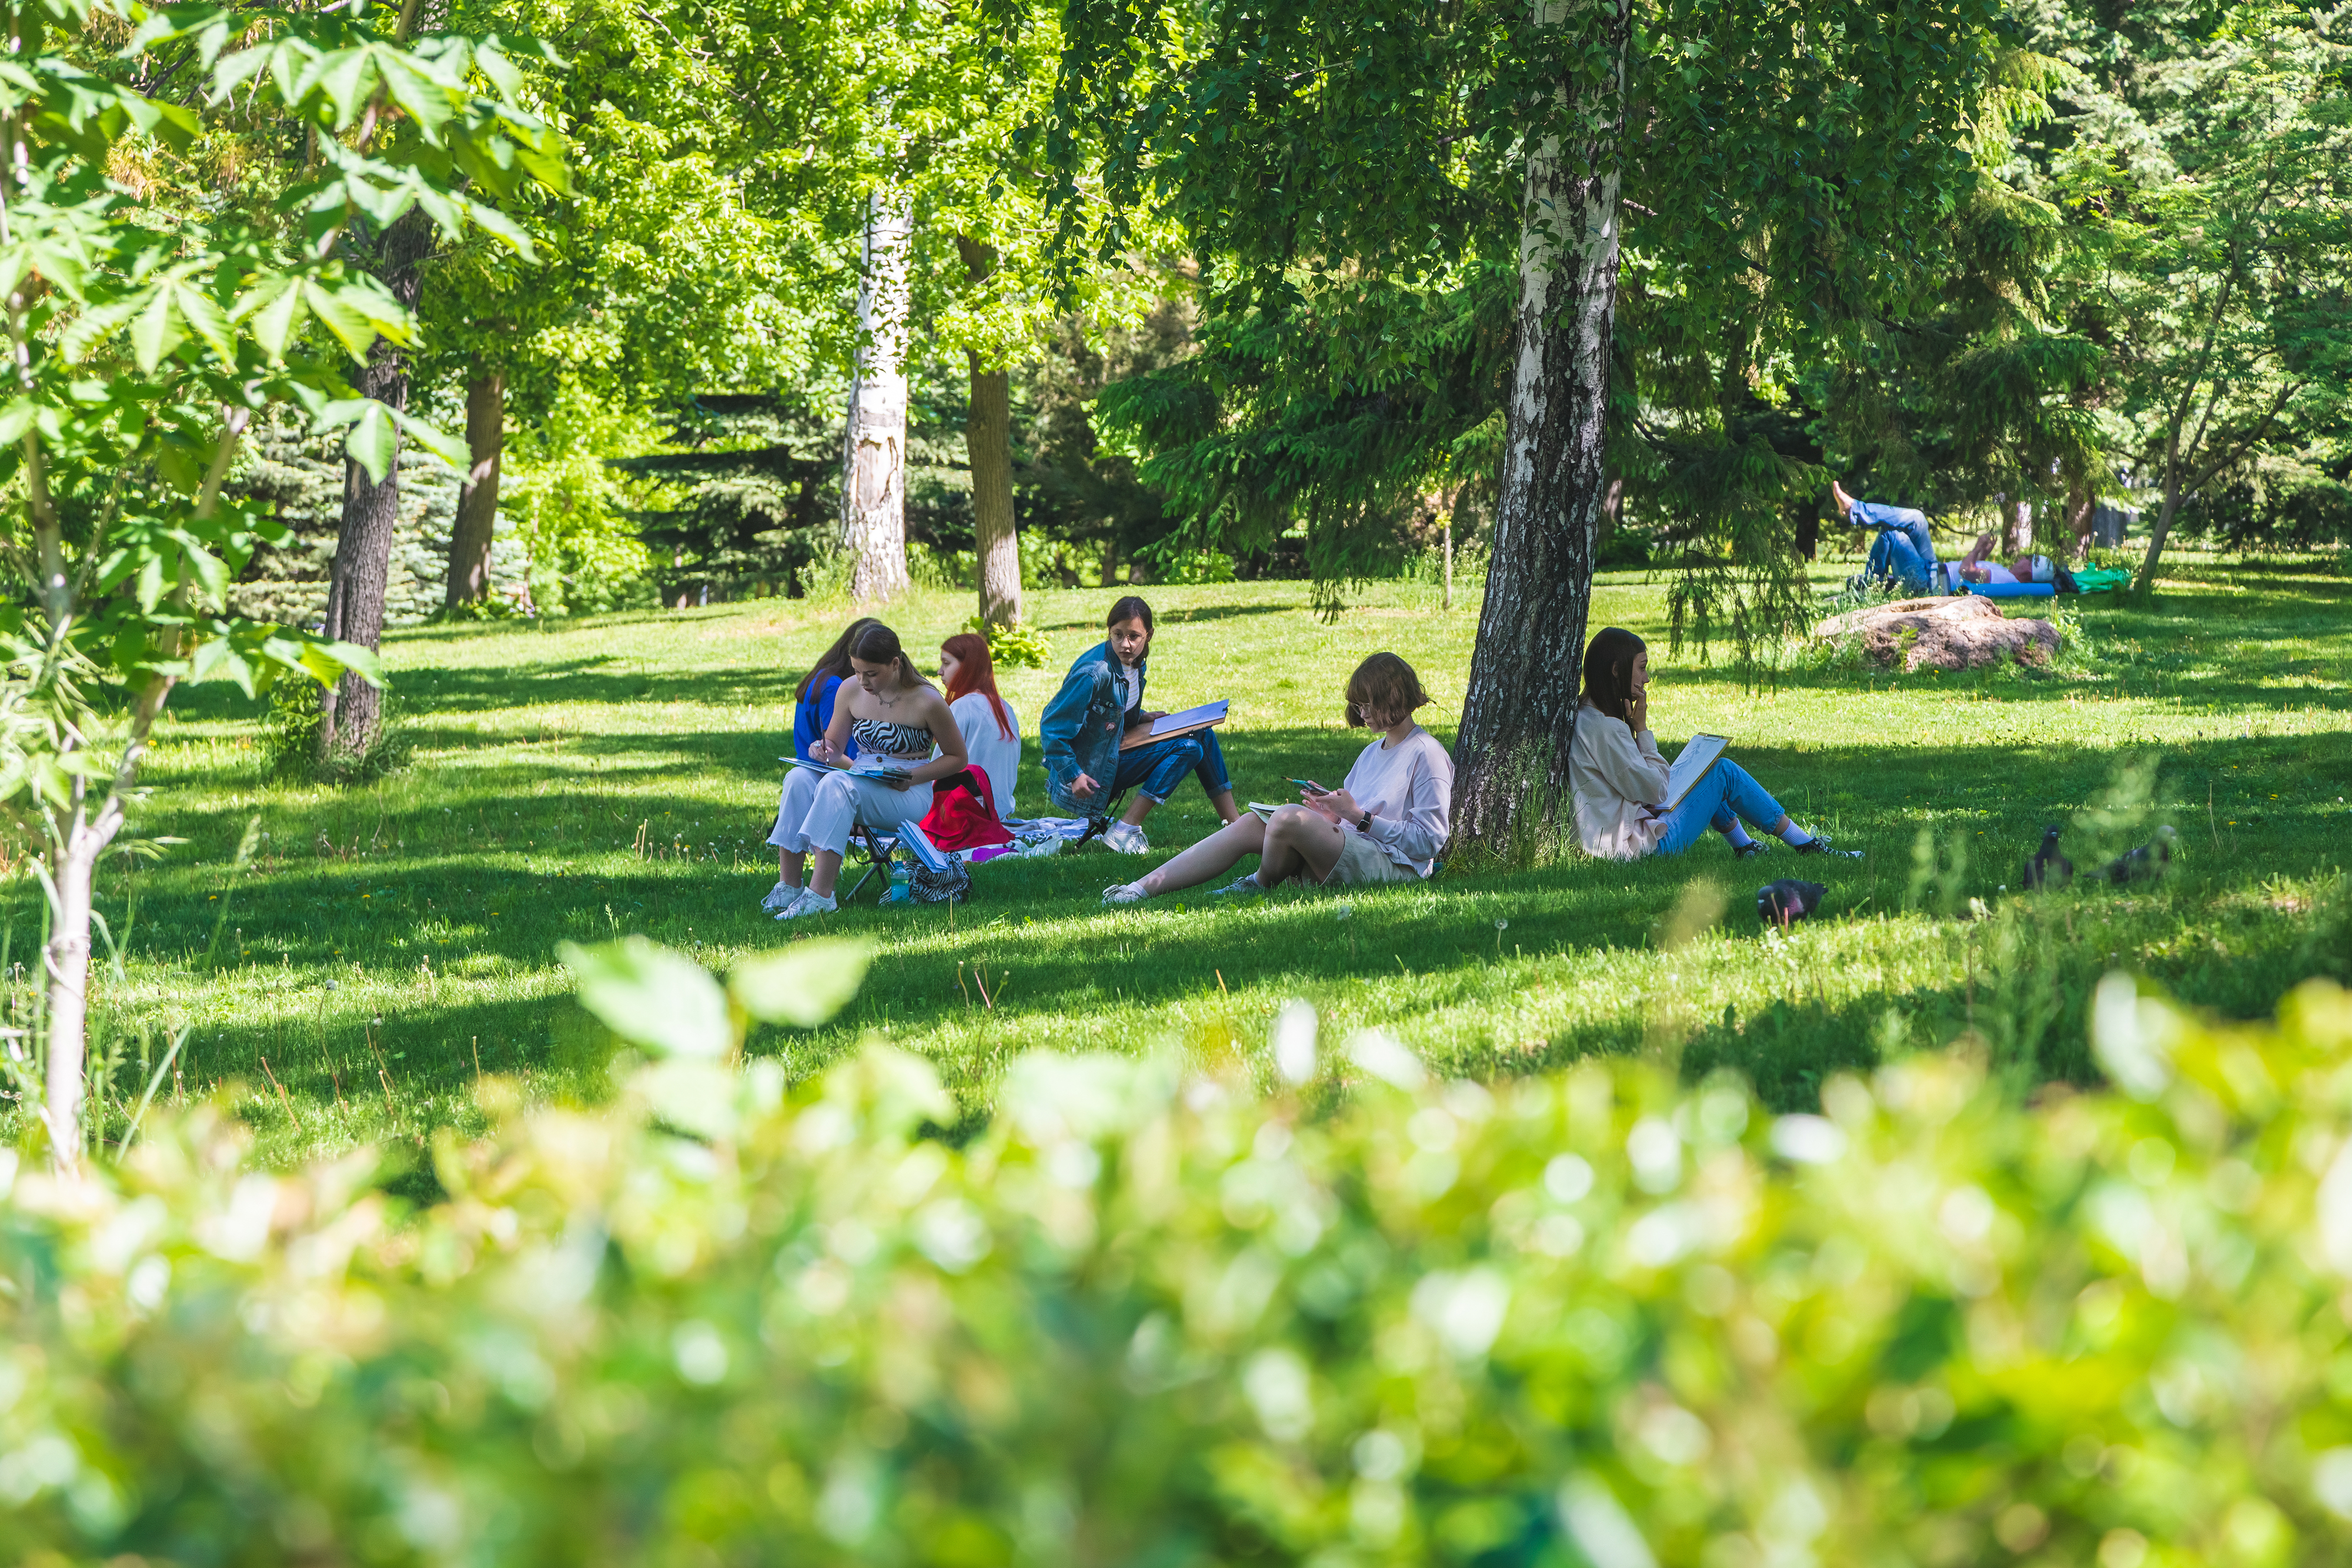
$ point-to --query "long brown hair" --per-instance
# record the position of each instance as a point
(976, 672)
(834, 660)
(1609, 671)
(878, 644)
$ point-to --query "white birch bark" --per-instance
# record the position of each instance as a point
(874, 448)
(1519, 713)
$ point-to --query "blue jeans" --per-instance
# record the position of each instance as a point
(1904, 554)
(1726, 789)
(1158, 768)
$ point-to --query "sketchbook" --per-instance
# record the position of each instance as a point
(1169, 725)
(918, 844)
(1690, 765)
(861, 768)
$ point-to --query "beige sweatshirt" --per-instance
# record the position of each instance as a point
(1614, 773)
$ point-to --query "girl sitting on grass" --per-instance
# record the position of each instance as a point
(1619, 778)
(812, 698)
(1100, 700)
(896, 716)
(1388, 822)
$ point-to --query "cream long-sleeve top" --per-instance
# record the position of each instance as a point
(1614, 773)
(1408, 786)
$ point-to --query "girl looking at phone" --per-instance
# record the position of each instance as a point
(1388, 821)
(1619, 780)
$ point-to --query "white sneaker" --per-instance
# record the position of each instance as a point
(1125, 893)
(808, 903)
(781, 897)
(1127, 839)
(1240, 887)
(1038, 848)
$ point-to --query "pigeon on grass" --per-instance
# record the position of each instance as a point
(1788, 901)
(2145, 863)
(2048, 867)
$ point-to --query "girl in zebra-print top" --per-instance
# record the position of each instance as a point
(894, 712)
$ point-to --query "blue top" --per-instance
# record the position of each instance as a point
(1081, 726)
(810, 714)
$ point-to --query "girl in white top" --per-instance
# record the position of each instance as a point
(1388, 822)
(990, 729)
(1619, 780)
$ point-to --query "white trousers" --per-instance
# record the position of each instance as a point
(817, 810)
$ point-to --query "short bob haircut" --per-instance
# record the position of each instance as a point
(1383, 684)
(1609, 670)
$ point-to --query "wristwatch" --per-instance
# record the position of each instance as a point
(1364, 823)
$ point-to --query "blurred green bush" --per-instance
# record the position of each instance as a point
(1158, 1315)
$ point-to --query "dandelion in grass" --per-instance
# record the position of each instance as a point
(1501, 925)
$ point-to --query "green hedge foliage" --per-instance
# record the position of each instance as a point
(1158, 1314)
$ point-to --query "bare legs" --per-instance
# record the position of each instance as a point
(1212, 857)
(1297, 843)
(824, 871)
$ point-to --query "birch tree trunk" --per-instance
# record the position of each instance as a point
(988, 441)
(873, 449)
(1519, 715)
(80, 841)
(477, 500)
(351, 711)
(2017, 526)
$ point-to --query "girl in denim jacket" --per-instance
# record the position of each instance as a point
(1100, 700)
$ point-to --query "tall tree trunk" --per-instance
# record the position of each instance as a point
(1519, 713)
(478, 501)
(2017, 525)
(1809, 528)
(988, 441)
(873, 449)
(2079, 508)
(351, 711)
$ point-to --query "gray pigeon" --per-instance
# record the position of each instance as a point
(2048, 867)
(2145, 863)
(1788, 901)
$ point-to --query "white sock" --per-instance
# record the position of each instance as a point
(1793, 835)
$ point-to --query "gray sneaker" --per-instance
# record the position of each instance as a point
(808, 903)
(1127, 839)
(1125, 893)
(1817, 845)
(1240, 887)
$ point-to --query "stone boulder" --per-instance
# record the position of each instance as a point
(1962, 633)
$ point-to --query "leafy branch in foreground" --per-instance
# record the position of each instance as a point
(145, 337)
(1370, 1316)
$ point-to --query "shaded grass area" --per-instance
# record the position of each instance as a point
(600, 777)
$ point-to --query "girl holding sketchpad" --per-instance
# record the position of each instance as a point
(896, 716)
(1387, 822)
(1081, 730)
(813, 699)
(1628, 804)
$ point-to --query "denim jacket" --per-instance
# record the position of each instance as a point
(1083, 725)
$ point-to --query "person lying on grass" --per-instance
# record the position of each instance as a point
(1904, 553)
(1387, 822)
(1100, 700)
(1974, 566)
(896, 716)
(1619, 779)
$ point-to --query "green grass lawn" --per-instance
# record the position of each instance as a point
(619, 774)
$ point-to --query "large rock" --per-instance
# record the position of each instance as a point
(1963, 633)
